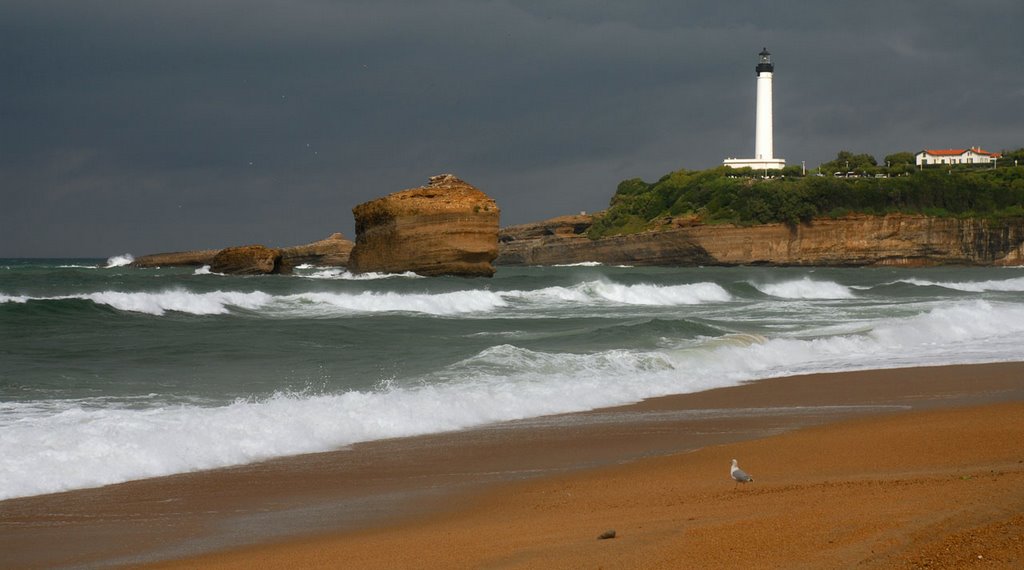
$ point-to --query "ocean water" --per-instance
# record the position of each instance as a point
(109, 373)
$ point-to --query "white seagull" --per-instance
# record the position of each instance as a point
(739, 475)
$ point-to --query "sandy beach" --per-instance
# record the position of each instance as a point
(915, 468)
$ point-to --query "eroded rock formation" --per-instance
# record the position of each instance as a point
(197, 258)
(249, 260)
(333, 251)
(901, 240)
(445, 228)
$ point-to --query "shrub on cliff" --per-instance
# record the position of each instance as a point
(723, 195)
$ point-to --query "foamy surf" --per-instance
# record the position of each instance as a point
(607, 292)
(439, 304)
(79, 445)
(346, 275)
(149, 384)
(120, 260)
(1005, 285)
(805, 288)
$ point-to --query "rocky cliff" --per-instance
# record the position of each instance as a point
(904, 240)
(445, 228)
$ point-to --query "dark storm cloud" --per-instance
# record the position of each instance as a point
(151, 126)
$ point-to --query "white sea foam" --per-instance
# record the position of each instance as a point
(68, 445)
(345, 275)
(459, 302)
(301, 304)
(214, 303)
(204, 270)
(440, 304)
(694, 294)
(639, 294)
(1009, 285)
(120, 260)
(13, 298)
(690, 294)
(805, 289)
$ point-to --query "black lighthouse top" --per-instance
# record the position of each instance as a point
(764, 62)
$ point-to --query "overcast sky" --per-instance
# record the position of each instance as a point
(141, 127)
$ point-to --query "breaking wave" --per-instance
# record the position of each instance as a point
(805, 289)
(75, 444)
(120, 260)
(440, 304)
(1008, 285)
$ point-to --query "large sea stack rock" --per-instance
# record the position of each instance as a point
(334, 250)
(445, 228)
(249, 260)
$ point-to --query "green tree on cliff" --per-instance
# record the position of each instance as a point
(899, 163)
(847, 161)
(1013, 157)
(896, 158)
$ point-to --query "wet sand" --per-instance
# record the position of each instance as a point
(913, 467)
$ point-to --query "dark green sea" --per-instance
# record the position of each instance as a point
(109, 373)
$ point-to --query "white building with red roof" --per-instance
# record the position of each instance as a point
(973, 155)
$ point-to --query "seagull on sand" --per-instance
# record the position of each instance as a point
(739, 475)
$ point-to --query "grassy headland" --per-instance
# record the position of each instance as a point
(747, 197)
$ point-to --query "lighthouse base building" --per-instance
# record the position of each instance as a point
(756, 163)
(763, 143)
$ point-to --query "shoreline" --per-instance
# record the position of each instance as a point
(374, 489)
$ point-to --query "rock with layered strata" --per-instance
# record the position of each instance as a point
(447, 227)
(196, 258)
(249, 260)
(856, 240)
(333, 251)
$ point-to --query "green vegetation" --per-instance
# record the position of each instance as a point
(746, 197)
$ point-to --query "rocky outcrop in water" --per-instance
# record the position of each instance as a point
(249, 260)
(332, 251)
(445, 228)
(859, 240)
(197, 258)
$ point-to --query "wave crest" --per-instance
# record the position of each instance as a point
(1006, 285)
(119, 260)
(805, 288)
(78, 445)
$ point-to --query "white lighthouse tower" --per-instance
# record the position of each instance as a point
(764, 157)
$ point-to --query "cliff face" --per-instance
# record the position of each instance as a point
(904, 240)
(445, 228)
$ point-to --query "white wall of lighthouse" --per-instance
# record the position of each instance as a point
(763, 128)
(764, 144)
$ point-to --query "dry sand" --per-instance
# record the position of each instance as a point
(916, 468)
